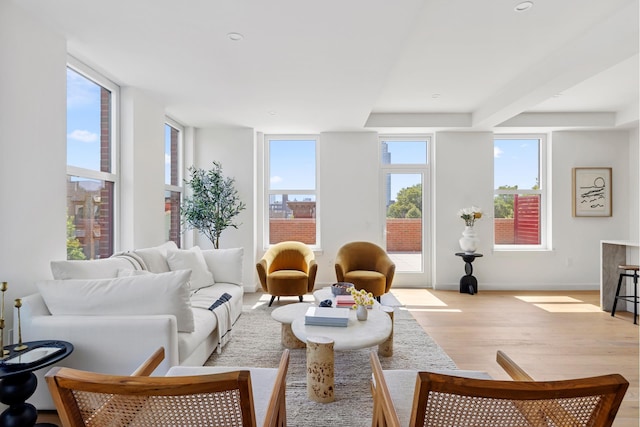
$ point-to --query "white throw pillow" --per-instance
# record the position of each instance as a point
(191, 259)
(91, 269)
(155, 259)
(225, 264)
(164, 293)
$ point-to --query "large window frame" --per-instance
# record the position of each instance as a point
(271, 192)
(110, 177)
(542, 191)
(174, 190)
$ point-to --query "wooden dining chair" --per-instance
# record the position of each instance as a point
(223, 399)
(451, 400)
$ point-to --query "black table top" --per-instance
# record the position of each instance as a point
(463, 254)
(7, 369)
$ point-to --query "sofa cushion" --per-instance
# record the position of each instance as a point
(191, 259)
(149, 294)
(155, 259)
(92, 269)
(225, 264)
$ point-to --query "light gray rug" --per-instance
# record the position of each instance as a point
(256, 342)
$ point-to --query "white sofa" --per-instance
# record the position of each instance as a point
(116, 315)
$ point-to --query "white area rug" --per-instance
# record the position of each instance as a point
(256, 342)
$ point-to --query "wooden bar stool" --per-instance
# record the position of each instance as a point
(629, 298)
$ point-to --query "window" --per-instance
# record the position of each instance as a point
(172, 180)
(91, 178)
(519, 191)
(292, 193)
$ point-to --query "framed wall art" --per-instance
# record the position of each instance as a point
(592, 192)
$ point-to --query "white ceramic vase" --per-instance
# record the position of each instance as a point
(469, 240)
(361, 312)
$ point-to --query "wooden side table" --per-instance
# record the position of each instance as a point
(468, 283)
(18, 382)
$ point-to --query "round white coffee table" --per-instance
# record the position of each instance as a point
(357, 334)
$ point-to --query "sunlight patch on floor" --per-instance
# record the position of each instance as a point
(417, 297)
(265, 298)
(433, 310)
(547, 298)
(569, 308)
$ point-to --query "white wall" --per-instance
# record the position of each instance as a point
(350, 203)
(142, 215)
(33, 147)
(463, 176)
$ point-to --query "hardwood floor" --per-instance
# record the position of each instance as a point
(552, 335)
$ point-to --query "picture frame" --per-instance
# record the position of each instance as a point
(592, 192)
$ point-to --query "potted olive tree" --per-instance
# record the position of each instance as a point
(214, 202)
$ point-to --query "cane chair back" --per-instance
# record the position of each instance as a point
(223, 399)
(448, 400)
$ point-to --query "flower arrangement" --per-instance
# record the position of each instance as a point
(361, 297)
(470, 215)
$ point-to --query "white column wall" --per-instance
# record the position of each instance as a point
(33, 153)
(142, 215)
(350, 200)
(463, 176)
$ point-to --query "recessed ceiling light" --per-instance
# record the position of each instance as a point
(272, 113)
(524, 5)
(435, 95)
(236, 37)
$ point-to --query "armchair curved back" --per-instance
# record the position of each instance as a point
(288, 255)
(364, 256)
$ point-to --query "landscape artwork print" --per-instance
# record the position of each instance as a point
(591, 192)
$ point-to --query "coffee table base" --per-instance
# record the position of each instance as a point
(289, 340)
(320, 382)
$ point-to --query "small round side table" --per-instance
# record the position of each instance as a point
(18, 382)
(468, 283)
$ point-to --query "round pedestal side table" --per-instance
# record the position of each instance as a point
(468, 283)
(18, 382)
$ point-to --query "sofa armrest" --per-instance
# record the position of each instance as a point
(106, 344)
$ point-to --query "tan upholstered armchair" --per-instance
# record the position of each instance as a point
(367, 266)
(287, 269)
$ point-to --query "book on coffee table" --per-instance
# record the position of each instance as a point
(326, 316)
(345, 301)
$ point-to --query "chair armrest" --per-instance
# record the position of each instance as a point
(262, 269)
(341, 268)
(313, 270)
(386, 266)
(149, 365)
(511, 368)
(384, 412)
(276, 414)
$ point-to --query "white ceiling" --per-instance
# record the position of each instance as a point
(365, 64)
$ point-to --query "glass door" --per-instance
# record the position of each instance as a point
(405, 184)
(404, 220)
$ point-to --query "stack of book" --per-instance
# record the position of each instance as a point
(326, 316)
(345, 301)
